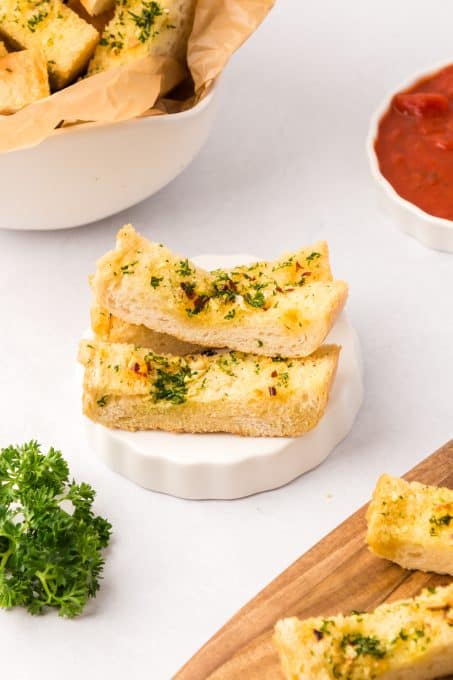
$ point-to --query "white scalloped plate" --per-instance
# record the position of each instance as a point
(224, 466)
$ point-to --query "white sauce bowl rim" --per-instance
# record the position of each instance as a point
(372, 156)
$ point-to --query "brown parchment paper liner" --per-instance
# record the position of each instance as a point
(220, 28)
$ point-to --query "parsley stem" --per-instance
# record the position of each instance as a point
(42, 577)
(7, 554)
(5, 557)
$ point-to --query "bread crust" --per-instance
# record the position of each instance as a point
(132, 389)
(212, 309)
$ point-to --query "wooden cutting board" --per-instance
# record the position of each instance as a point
(337, 575)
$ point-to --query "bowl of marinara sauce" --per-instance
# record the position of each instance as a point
(410, 150)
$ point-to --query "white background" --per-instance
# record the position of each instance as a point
(285, 165)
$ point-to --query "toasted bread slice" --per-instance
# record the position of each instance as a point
(143, 27)
(288, 271)
(412, 524)
(144, 283)
(110, 328)
(65, 39)
(405, 640)
(23, 79)
(133, 389)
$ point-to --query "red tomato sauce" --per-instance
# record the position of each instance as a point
(414, 144)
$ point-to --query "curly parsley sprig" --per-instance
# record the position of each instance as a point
(50, 540)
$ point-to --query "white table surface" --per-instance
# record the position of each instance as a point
(285, 165)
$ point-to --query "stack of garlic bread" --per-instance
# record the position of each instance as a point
(179, 348)
(58, 41)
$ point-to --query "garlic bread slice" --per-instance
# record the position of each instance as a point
(146, 284)
(23, 79)
(309, 263)
(405, 640)
(142, 28)
(412, 524)
(132, 388)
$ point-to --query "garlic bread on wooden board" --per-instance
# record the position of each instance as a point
(132, 388)
(23, 79)
(405, 640)
(66, 40)
(253, 310)
(412, 524)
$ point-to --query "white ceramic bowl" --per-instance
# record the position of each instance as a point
(87, 172)
(434, 232)
(225, 466)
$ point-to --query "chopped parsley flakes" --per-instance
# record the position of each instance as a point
(146, 19)
(155, 281)
(184, 268)
(170, 383)
(36, 19)
(363, 645)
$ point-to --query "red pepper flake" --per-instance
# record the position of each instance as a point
(279, 290)
(288, 290)
(272, 391)
(200, 302)
(318, 634)
(274, 374)
(189, 289)
(298, 266)
(144, 372)
(306, 274)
